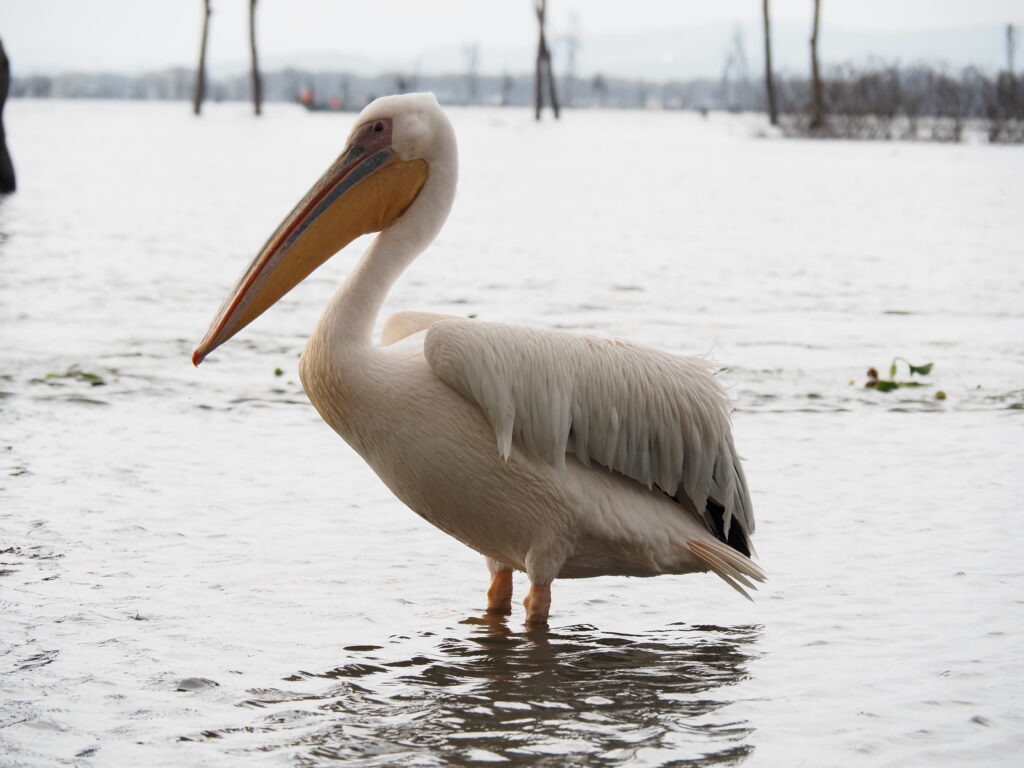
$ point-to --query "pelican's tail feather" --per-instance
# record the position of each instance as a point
(735, 569)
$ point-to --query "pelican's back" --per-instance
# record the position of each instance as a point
(660, 419)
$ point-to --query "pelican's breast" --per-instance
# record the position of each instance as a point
(434, 449)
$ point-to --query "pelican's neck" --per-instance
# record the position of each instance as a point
(352, 313)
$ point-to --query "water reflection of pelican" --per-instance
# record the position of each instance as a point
(540, 698)
(624, 461)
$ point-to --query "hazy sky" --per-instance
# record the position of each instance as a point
(55, 35)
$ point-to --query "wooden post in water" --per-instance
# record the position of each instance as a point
(200, 90)
(544, 69)
(7, 183)
(257, 88)
(817, 106)
(769, 79)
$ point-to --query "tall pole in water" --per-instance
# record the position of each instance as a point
(7, 183)
(200, 90)
(544, 69)
(769, 80)
(257, 87)
(817, 106)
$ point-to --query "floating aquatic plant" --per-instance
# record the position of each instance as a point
(887, 385)
(75, 373)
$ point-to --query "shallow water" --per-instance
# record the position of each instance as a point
(195, 571)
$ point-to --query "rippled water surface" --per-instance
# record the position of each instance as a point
(195, 571)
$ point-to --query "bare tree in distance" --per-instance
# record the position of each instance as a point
(508, 85)
(1011, 49)
(817, 106)
(735, 84)
(599, 87)
(544, 70)
(572, 44)
(200, 90)
(7, 182)
(769, 78)
(404, 82)
(1004, 99)
(257, 88)
(472, 54)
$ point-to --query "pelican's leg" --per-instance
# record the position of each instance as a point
(538, 604)
(544, 562)
(499, 596)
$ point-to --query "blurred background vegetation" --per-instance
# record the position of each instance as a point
(871, 97)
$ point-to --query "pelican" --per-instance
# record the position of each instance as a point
(556, 454)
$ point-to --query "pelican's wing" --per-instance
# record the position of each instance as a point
(402, 324)
(660, 419)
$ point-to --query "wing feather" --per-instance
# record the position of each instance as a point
(660, 419)
(403, 324)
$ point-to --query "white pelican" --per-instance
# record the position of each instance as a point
(557, 454)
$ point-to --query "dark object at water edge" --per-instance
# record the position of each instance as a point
(7, 183)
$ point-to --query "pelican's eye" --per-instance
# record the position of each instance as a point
(378, 127)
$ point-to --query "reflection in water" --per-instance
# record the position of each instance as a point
(568, 697)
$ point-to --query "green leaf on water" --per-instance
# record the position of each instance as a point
(940, 395)
(93, 379)
(888, 385)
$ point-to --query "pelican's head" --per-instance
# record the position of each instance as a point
(385, 164)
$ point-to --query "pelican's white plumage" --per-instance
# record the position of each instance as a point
(657, 418)
(558, 454)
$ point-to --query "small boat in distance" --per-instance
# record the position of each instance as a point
(333, 104)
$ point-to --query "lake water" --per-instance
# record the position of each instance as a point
(194, 570)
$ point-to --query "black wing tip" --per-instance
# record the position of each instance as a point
(736, 538)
